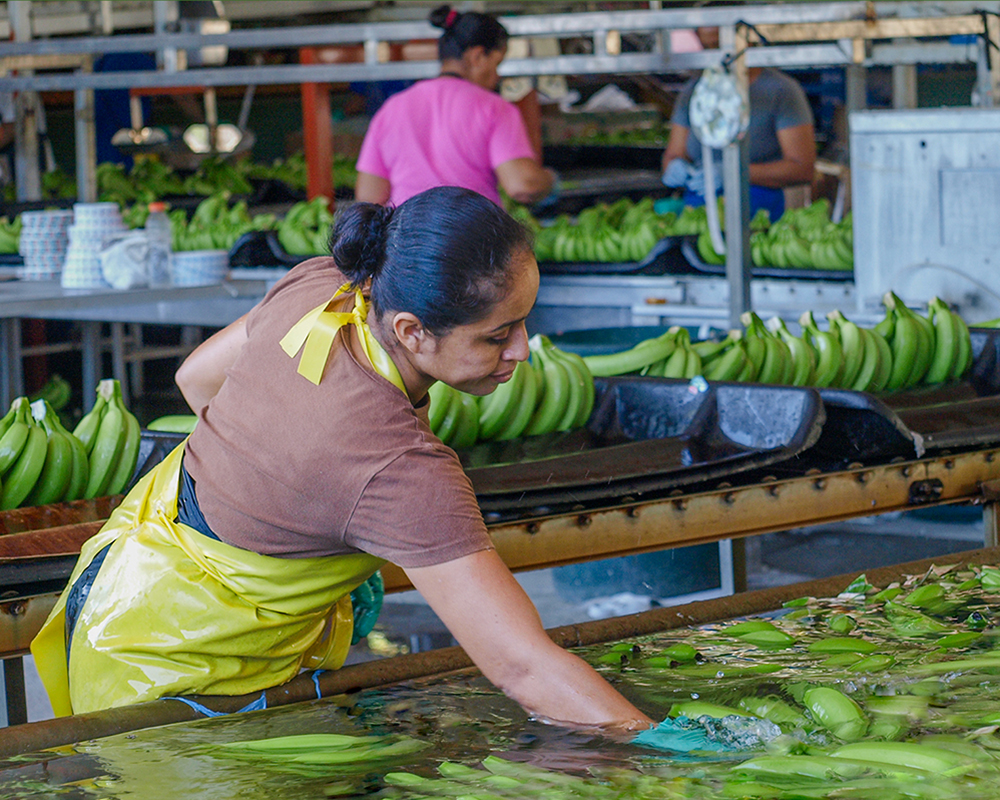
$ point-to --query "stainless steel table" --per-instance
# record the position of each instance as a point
(214, 305)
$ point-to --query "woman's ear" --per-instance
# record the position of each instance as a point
(410, 332)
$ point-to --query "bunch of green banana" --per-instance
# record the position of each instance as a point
(454, 415)
(826, 345)
(952, 344)
(802, 354)
(622, 231)
(727, 360)
(565, 392)
(641, 356)
(506, 412)
(911, 339)
(775, 363)
(66, 469)
(110, 435)
(56, 392)
(867, 357)
(22, 453)
(683, 362)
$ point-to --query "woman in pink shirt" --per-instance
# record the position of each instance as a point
(453, 130)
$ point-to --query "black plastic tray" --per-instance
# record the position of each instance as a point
(654, 257)
(570, 156)
(862, 427)
(690, 251)
(262, 249)
(645, 437)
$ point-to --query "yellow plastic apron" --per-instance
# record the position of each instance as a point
(172, 611)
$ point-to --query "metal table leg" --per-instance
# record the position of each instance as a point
(90, 347)
(118, 359)
(13, 681)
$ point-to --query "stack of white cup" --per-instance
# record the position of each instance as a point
(43, 243)
(93, 225)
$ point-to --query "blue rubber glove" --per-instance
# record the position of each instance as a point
(366, 602)
(677, 173)
(696, 183)
(678, 737)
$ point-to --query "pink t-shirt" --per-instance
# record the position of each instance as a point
(443, 132)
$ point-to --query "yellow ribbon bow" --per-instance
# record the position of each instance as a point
(314, 333)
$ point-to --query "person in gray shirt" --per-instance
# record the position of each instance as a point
(781, 140)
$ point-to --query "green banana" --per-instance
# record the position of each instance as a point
(575, 390)
(947, 338)
(8, 419)
(174, 423)
(646, 352)
(755, 348)
(676, 363)
(440, 396)
(129, 455)
(517, 419)
(106, 450)
(803, 357)
(963, 361)
(904, 339)
(870, 363)
(57, 470)
(881, 377)
(555, 388)
(775, 366)
(827, 348)
(852, 347)
(836, 712)
(588, 384)
(452, 418)
(710, 348)
(467, 430)
(80, 472)
(21, 478)
(16, 436)
(922, 330)
(496, 408)
(728, 365)
(86, 428)
(912, 755)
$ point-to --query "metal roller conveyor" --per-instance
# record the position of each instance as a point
(350, 683)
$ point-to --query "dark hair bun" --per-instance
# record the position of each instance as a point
(358, 240)
(440, 17)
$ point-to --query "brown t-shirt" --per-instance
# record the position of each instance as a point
(284, 467)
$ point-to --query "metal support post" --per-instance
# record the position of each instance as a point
(118, 359)
(991, 525)
(736, 190)
(904, 86)
(317, 133)
(90, 352)
(86, 140)
(26, 174)
(13, 684)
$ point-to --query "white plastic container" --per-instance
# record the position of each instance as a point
(160, 259)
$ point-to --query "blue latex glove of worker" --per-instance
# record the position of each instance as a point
(678, 738)
(677, 173)
(696, 181)
(366, 602)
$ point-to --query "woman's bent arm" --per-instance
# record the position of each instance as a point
(201, 375)
(492, 618)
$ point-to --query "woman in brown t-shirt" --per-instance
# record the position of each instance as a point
(313, 459)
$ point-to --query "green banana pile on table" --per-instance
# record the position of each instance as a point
(803, 238)
(903, 350)
(305, 229)
(215, 225)
(552, 391)
(110, 436)
(620, 232)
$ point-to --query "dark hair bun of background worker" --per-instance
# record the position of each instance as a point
(462, 31)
